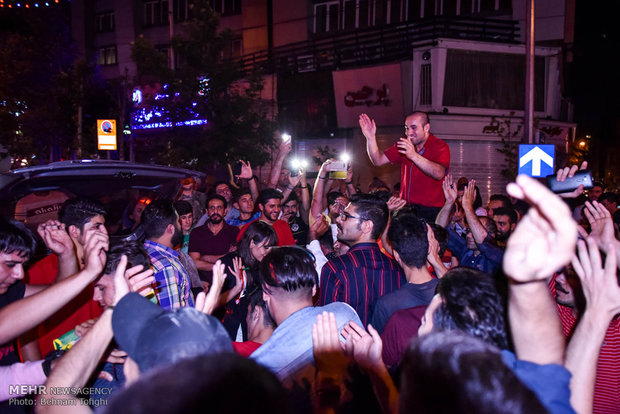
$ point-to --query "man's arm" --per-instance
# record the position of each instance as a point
(204, 261)
(543, 241)
(329, 285)
(477, 229)
(77, 365)
(23, 315)
(318, 193)
(450, 193)
(431, 168)
(600, 287)
(369, 129)
(168, 291)
(274, 177)
(248, 174)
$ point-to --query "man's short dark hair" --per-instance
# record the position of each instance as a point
(408, 235)
(78, 211)
(371, 207)
(216, 197)
(241, 192)
(292, 197)
(157, 216)
(16, 238)
(288, 268)
(422, 114)
(332, 196)
(218, 183)
(509, 212)
(502, 198)
(470, 303)
(268, 194)
(135, 252)
(183, 207)
(224, 383)
(608, 196)
(326, 240)
(255, 299)
(470, 371)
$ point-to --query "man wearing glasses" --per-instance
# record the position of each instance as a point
(364, 274)
(424, 160)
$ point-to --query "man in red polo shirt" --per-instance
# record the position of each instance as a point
(424, 160)
(270, 205)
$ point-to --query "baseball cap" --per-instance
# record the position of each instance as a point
(153, 336)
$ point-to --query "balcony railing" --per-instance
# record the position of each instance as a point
(376, 45)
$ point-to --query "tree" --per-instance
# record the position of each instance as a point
(205, 85)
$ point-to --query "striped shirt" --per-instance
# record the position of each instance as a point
(607, 385)
(360, 278)
(173, 288)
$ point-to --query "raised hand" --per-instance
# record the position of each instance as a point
(396, 203)
(469, 195)
(140, 280)
(246, 170)
(95, 247)
(449, 189)
(366, 347)
(207, 302)
(56, 237)
(406, 148)
(369, 129)
(599, 283)
(328, 351)
(568, 172)
(601, 224)
(545, 238)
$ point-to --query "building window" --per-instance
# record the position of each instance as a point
(104, 22)
(487, 80)
(106, 56)
(156, 13)
(234, 49)
(426, 96)
(180, 10)
(326, 17)
(226, 7)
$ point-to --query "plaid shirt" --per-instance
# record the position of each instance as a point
(172, 281)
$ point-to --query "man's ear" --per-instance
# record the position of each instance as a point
(261, 207)
(236, 205)
(367, 226)
(513, 226)
(427, 127)
(314, 290)
(396, 256)
(170, 228)
(74, 231)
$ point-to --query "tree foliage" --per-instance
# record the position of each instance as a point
(238, 126)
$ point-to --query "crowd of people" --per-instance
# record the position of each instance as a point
(301, 296)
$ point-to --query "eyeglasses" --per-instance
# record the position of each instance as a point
(344, 216)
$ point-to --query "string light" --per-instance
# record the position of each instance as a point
(27, 4)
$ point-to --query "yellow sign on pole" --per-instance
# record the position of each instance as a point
(106, 134)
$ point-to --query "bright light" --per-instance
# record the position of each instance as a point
(582, 143)
(299, 164)
(344, 157)
(286, 137)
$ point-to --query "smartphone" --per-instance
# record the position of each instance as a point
(237, 168)
(337, 170)
(581, 177)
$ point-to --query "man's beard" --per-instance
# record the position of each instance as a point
(502, 237)
(177, 237)
(216, 219)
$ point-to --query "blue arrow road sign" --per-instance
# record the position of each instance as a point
(536, 160)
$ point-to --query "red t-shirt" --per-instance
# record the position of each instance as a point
(282, 229)
(78, 310)
(415, 186)
(246, 348)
